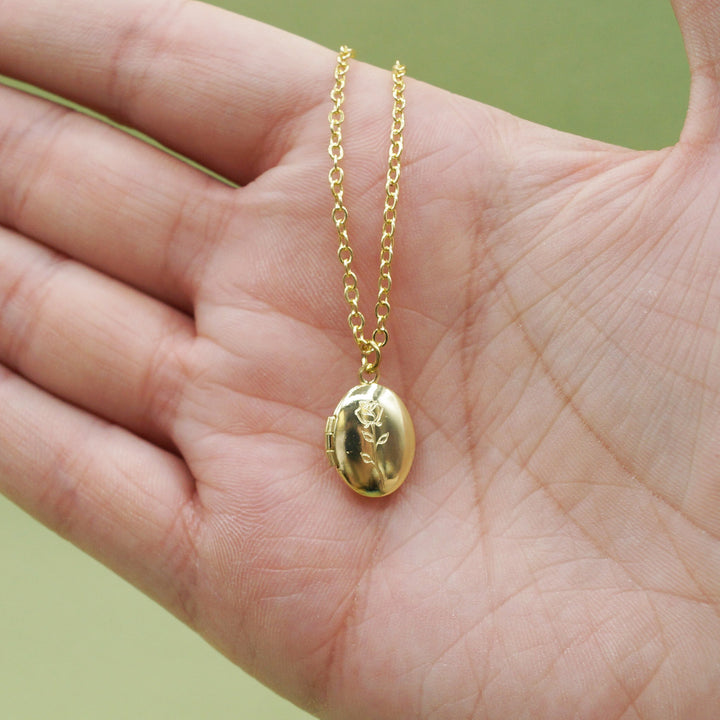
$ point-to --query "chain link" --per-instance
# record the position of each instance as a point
(370, 348)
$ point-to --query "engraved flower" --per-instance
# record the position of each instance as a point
(369, 413)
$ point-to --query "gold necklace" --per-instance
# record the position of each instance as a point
(370, 437)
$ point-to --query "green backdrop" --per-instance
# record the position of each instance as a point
(77, 642)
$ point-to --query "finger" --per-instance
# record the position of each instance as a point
(91, 340)
(119, 498)
(217, 87)
(104, 198)
(699, 22)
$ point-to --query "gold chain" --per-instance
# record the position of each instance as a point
(369, 347)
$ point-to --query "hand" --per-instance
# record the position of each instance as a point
(171, 347)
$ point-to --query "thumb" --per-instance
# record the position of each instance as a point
(700, 26)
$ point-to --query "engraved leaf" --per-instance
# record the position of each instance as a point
(383, 438)
(366, 458)
(368, 436)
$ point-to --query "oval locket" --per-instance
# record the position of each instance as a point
(370, 439)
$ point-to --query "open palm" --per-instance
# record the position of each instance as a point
(172, 346)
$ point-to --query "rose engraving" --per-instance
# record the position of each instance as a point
(370, 413)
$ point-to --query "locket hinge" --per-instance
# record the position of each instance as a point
(330, 426)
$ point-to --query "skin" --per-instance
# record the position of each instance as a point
(170, 348)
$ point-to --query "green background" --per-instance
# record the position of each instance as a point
(77, 642)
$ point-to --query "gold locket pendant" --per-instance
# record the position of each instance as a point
(370, 439)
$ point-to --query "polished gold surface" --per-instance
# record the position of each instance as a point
(370, 439)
